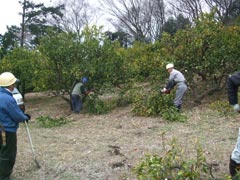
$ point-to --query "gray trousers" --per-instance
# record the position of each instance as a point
(181, 89)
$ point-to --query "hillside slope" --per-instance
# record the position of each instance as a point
(107, 147)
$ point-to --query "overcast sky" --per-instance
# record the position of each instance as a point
(9, 13)
(10, 9)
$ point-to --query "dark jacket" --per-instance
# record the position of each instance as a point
(235, 78)
(232, 88)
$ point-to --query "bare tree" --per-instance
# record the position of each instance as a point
(222, 8)
(142, 19)
(192, 9)
(77, 14)
(159, 18)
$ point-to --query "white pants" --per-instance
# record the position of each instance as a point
(236, 152)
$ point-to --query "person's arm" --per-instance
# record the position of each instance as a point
(84, 90)
(15, 112)
(171, 83)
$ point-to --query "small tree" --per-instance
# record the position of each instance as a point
(22, 63)
(67, 58)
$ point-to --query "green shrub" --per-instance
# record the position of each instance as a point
(48, 122)
(150, 104)
(172, 114)
(94, 105)
(223, 108)
(153, 103)
(173, 165)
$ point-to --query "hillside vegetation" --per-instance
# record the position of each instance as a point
(109, 146)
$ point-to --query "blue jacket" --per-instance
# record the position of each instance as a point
(10, 113)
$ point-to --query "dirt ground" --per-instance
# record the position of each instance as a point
(107, 147)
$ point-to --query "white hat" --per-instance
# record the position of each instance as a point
(7, 79)
(170, 65)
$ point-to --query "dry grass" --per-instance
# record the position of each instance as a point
(106, 147)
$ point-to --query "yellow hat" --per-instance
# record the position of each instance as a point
(7, 79)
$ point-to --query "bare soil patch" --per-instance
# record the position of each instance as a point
(107, 147)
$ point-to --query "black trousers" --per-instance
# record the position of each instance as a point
(232, 91)
(234, 168)
(8, 155)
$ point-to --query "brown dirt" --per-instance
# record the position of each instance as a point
(107, 147)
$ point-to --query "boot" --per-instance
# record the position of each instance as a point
(233, 169)
(179, 107)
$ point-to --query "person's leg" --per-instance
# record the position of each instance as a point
(233, 168)
(8, 155)
(75, 103)
(234, 164)
(181, 89)
(80, 104)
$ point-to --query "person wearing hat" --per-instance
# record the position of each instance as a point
(78, 93)
(10, 117)
(176, 78)
(233, 83)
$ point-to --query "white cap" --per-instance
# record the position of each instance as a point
(7, 79)
(170, 65)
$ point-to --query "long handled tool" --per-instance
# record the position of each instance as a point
(30, 141)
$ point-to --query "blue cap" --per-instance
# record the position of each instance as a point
(84, 79)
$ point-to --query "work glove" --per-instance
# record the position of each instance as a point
(166, 91)
(90, 93)
(163, 90)
(87, 93)
(29, 117)
(236, 108)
